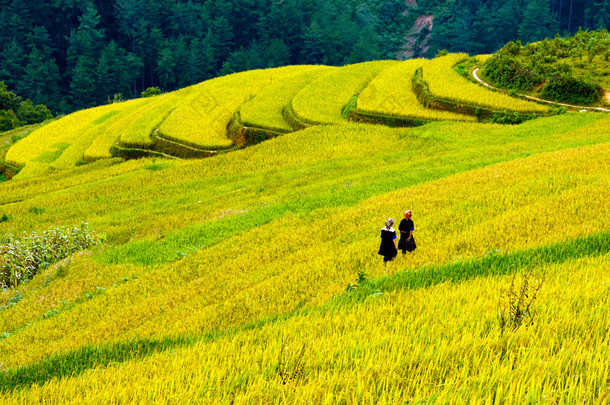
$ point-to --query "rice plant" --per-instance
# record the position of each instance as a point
(265, 110)
(323, 100)
(446, 84)
(390, 93)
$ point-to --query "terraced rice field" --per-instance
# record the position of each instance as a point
(323, 101)
(446, 84)
(266, 109)
(253, 277)
(198, 116)
(391, 93)
(202, 121)
(100, 138)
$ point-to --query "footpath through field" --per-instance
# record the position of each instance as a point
(474, 74)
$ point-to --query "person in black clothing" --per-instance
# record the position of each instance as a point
(406, 228)
(388, 248)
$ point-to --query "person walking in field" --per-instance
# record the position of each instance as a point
(406, 228)
(388, 248)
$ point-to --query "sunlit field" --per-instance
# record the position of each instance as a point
(266, 109)
(252, 276)
(323, 101)
(446, 84)
(390, 93)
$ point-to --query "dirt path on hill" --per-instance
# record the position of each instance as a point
(474, 74)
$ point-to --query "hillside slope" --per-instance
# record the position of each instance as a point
(252, 276)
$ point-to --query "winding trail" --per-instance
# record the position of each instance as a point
(474, 74)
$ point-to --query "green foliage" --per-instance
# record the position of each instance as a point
(15, 113)
(565, 88)
(22, 257)
(29, 114)
(511, 118)
(512, 48)
(506, 72)
(36, 210)
(158, 166)
(124, 47)
(116, 98)
(464, 68)
(556, 62)
(100, 49)
(151, 92)
(8, 99)
(8, 120)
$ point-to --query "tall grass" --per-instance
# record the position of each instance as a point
(88, 357)
(22, 257)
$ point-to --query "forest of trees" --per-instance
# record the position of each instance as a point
(484, 26)
(72, 54)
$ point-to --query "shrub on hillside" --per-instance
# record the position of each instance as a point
(511, 118)
(565, 88)
(505, 71)
(151, 92)
(29, 114)
(14, 112)
(8, 120)
(22, 257)
(512, 48)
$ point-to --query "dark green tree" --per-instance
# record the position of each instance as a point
(82, 86)
(29, 114)
(12, 62)
(116, 71)
(537, 23)
(166, 67)
(8, 120)
(8, 99)
(391, 27)
(222, 37)
(88, 39)
(316, 46)
(286, 21)
(277, 53)
(366, 48)
(41, 79)
(509, 16)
